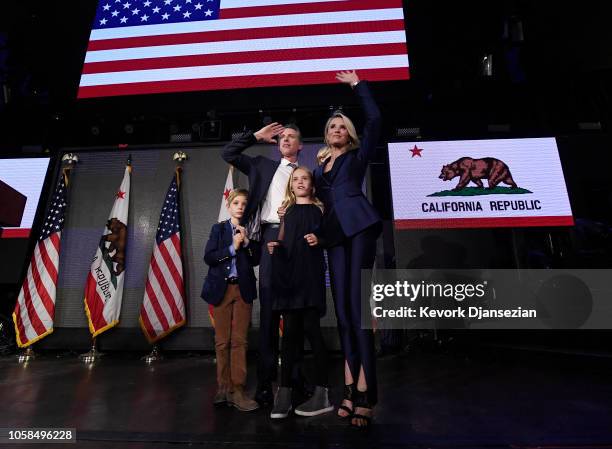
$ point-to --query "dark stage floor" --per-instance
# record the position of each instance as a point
(492, 398)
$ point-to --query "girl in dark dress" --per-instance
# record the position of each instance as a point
(298, 268)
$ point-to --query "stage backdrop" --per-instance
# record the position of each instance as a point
(93, 187)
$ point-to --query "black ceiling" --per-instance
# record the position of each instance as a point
(558, 76)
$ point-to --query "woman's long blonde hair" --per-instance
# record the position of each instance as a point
(325, 152)
(290, 199)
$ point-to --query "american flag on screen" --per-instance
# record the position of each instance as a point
(35, 309)
(154, 46)
(163, 306)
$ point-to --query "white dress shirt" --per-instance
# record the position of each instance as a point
(276, 192)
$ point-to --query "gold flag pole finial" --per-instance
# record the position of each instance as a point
(179, 157)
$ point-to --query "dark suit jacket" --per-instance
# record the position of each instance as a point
(218, 257)
(259, 169)
(341, 191)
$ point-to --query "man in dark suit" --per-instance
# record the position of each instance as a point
(267, 182)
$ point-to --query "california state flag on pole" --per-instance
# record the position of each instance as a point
(223, 215)
(229, 186)
(104, 288)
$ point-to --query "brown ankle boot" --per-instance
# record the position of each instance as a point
(221, 395)
(239, 400)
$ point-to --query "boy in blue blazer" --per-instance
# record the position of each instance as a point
(231, 289)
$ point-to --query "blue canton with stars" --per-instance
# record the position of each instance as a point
(169, 220)
(126, 13)
(54, 221)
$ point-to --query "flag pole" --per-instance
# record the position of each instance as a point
(69, 161)
(93, 355)
(154, 356)
(179, 157)
(26, 356)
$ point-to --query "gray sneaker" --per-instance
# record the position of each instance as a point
(316, 405)
(282, 403)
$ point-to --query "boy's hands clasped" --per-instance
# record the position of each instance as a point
(240, 238)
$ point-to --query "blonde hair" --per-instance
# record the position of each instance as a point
(237, 192)
(352, 132)
(290, 199)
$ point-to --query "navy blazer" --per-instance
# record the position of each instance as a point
(259, 169)
(218, 257)
(340, 189)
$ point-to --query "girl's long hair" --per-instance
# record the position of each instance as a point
(290, 199)
(325, 152)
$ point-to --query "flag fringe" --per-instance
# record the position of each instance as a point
(94, 332)
(29, 342)
(163, 334)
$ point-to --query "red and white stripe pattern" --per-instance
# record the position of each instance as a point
(35, 309)
(252, 43)
(163, 306)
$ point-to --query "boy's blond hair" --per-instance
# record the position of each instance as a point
(237, 192)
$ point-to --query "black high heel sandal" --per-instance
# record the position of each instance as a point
(349, 392)
(361, 401)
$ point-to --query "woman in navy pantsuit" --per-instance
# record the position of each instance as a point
(350, 228)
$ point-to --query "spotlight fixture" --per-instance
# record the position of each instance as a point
(210, 130)
(589, 126)
(239, 132)
(408, 132)
(181, 137)
(499, 128)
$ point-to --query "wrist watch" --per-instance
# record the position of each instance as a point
(354, 83)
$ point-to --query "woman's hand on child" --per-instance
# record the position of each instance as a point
(311, 239)
(271, 246)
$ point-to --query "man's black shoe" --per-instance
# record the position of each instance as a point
(264, 395)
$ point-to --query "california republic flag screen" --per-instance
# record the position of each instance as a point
(478, 184)
(104, 288)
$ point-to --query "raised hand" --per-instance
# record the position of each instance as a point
(347, 77)
(267, 133)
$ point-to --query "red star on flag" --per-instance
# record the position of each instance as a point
(226, 193)
(120, 194)
(416, 151)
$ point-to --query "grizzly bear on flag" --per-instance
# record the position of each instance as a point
(475, 170)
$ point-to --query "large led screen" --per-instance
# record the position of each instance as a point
(478, 184)
(153, 46)
(22, 177)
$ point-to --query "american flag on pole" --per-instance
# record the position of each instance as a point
(163, 306)
(153, 46)
(35, 308)
(104, 285)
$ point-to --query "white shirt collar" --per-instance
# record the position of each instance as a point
(286, 162)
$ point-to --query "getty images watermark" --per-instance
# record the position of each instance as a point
(487, 299)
